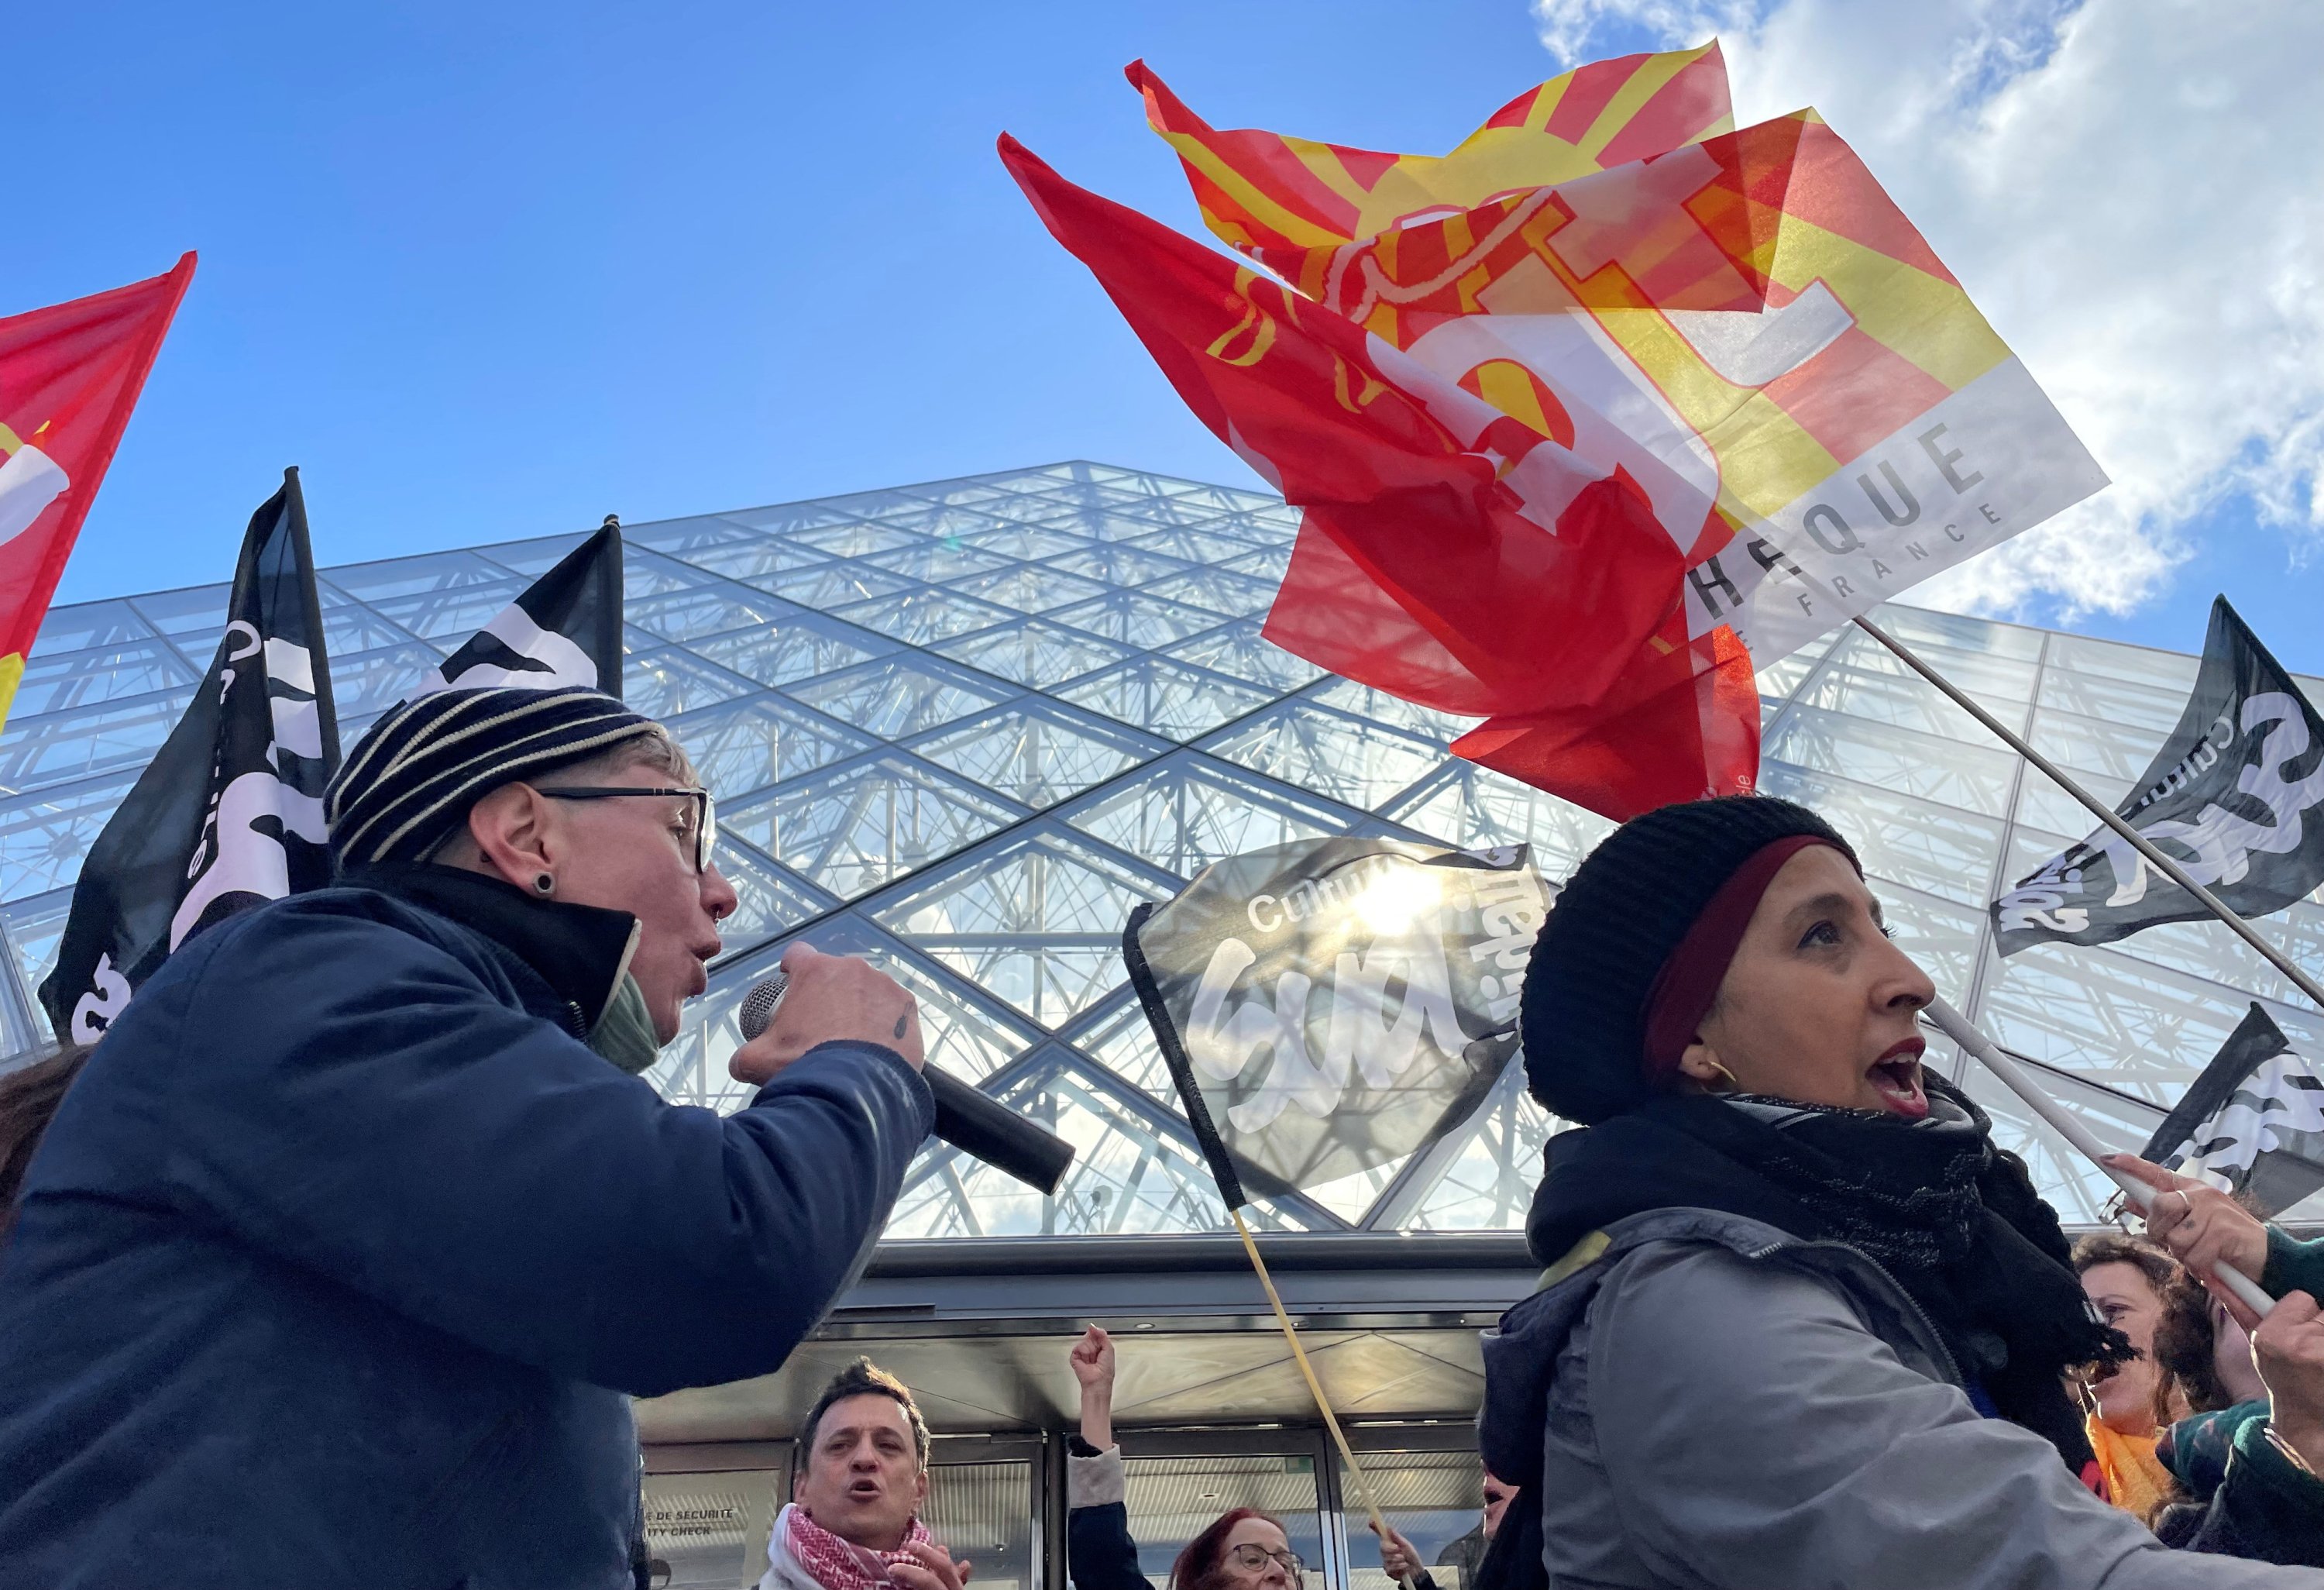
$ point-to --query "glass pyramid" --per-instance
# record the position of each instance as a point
(963, 728)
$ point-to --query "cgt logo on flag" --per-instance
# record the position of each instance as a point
(1330, 1006)
(2252, 1123)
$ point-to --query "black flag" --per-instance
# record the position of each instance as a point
(2228, 798)
(1332, 1005)
(230, 812)
(564, 629)
(2253, 1122)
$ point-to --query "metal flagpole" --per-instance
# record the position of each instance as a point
(1315, 1386)
(2105, 814)
(1957, 1027)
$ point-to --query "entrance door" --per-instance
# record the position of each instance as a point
(1181, 1480)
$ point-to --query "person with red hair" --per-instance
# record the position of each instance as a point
(1242, 1549)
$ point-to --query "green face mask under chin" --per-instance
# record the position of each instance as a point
(625, 1034)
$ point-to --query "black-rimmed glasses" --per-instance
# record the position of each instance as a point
(1253, 1558)
(705, 809)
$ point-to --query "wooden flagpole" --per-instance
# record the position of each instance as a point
(1315, 1386)
(2104, 813)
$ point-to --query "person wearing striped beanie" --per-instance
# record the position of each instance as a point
(341, 1259)
(1803, 1322)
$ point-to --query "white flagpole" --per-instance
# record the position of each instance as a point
(2105, 814)
(1957, 1027)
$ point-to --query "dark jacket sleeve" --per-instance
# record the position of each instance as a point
(2265, 1509)
(2293, 1265)
(353, 1099)
(1100, 1555)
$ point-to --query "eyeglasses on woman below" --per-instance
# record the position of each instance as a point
(1255, 1558)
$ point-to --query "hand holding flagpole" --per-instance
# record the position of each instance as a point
(1957, 1027)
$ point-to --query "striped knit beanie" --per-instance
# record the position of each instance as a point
(1618, 920)
(424, 763)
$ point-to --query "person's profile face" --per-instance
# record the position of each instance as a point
(863, 1479)
(2123, 1295)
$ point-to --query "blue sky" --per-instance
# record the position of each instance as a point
(486, 272)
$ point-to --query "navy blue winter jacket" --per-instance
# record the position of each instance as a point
(339, 1257)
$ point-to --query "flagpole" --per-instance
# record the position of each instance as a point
(1330, 1420)
(1957, 1027)
(2105, 814)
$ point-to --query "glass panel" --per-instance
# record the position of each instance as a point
(1488, 1186)
(1905, 700)
(1117, 1033)
(1168, 697)
(983, 1513)
(1118, 565)
(1476, 808)
(772, 900)
(684, 536)
(1918, 627)
(1268, 563)
(1029, 589)
(2074, 1187)
(1033, 652)
(1436, 1501)
(935, 561)
(648, 574)
(197, 607)
(925, 618)
(669, 680)
(745, 746)
(1174, 1499)
(1195, 546)
(58, 681)
(685, 616)
(403, 577)
(1937, 848)
(801, 647)
(1025, 544)
(860, 825)
(706, 1530)
(44, 837)
(1780, 678)
(2118, 749)
(452, 615)
(2152, 708)
(1380, 707)
(1035, 752)
(749, 557)
(856, 538)
(1185, 812)
(347, 627)
(61, 745)
(1137, 619)
(89, 623)
(1238, 651)
(1895, 759)
(1133, 1171)
(834, 585)
(900, 696)
(2170, 672)
(1354, 762)
(36, 926)
(1234, 594)
(1037, 920)
(531, 558)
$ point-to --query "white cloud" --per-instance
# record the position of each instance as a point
(2133, 190)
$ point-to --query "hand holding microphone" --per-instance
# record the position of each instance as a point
(817, 998)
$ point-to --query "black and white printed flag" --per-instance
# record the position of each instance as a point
(564, 629)
(1332, 1005)
(2232, 797)
(2253, 1122)
(229, 814)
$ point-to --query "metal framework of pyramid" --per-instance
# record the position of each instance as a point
(960, 728)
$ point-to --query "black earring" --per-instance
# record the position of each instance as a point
(544, 885)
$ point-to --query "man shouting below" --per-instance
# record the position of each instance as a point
(863, 1479)
(338, 1259)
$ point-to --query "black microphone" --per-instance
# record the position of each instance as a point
(976, 1123)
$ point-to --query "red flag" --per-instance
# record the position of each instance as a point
(69, 376)
(1454, 579)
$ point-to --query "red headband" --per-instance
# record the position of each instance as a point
(1689, 979)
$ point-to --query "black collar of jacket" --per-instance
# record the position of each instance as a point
(580, 951)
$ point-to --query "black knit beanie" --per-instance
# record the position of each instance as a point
(1617, 919)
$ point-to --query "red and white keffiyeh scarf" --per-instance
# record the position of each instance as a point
(840, 1564)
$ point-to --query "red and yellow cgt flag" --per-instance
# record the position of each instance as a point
(1264, 191)
(69, 376)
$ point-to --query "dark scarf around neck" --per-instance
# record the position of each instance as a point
(1954, 1220)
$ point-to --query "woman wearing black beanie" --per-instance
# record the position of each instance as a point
(1804, 1324)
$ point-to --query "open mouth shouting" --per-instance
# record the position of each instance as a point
(1895, 1076)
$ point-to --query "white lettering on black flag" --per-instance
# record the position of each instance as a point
(229, 813)
(2253, 1123)
(2231, 797)
(1332, 1005)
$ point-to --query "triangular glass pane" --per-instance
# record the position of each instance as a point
(689, 615)
(1236, 596)
(802, 646)
(833, 585)
(1118, 565)
(1027, 544)
(1268, 563)
(458, 610)
(1299, 743)
(1168, 698)
(854, 826)
(373, 682)
(59, 681)
(1136, 619)
(1037, 919)
(1475, 809)
(531, 558)
(741, 747)
(1238, 651)
(173, 613)
(925, 616)
(402, 577)
(683, 537)
(938, 560)
(1131, 1174)
(771, 899)
(853, 538)
(901, 694)
(1490, 1184)
(1379, 706)
(1034, 651)
(666, 681)
(1116, 1033)
(43, 836)
(1027, 587)
(1185, 812)
(55, 747)
(1195, 545)
(748, 557)
(347, 628)
(1036, 752)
